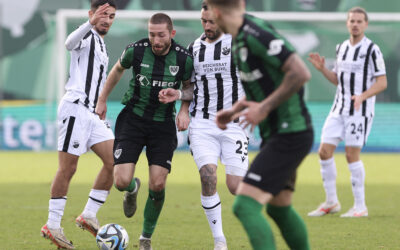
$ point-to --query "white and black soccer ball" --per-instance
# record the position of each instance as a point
(112, 237)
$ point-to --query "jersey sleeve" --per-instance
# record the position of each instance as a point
(188, 69)
(126, 58)
(274, 47)
(377, 62)
(78, 39)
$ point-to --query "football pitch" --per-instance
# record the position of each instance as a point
(25, 179)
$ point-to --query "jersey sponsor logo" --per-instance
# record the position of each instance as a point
(143, 80)
(243, 53)
(275, 47)
(363, 56)
(174, 70)
(251, 76)
(107, 124)
(250, 30)
(254, 177)
(144, 65)
(157, 83)
(226, 51)
(117, 153)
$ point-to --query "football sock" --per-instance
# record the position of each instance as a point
(291, 226)
(328, 172)
(357, 183)
(56, 211)
(95, 201)
(152, 210)
(131, 187)
(248, 211)
(212, 209)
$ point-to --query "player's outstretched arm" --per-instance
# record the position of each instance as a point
(319, 63)
(296, 75)
(113, 78)
(225, 116)
(170, 95)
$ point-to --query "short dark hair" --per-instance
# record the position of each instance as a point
(226, 3)
(96, 3)
(160, 18)
(360, 10)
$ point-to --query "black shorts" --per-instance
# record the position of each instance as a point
(132, 133)
(274, 168)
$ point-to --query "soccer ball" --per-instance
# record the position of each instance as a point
(112, 237)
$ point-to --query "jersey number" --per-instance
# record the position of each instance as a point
(241, 145)
(355, 129)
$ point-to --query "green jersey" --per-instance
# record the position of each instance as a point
(260, 53)
(151, 73)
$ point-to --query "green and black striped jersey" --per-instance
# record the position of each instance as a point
(151, 73)
(260, 53)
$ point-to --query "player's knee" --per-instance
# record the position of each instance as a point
(157, 185)
(324, 154)
(121, 183)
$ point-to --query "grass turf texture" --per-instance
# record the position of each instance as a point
(25, 179)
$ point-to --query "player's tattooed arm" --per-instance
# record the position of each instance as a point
(187, 90)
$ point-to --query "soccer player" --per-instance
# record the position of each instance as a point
(157, 62)
(359, 75)
(216, 86)
(273, 76)
(79, 128)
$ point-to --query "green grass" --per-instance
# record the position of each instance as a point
(25, 179)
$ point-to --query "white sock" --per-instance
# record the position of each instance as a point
(328, 173)
(56, 211)
(212, 209)
(357, 183)
(95, 201)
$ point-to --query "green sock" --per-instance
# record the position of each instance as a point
(152, 210)
(292, 226)
(129, 188)
(256, 226)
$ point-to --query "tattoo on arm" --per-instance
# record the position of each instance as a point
(187, 91)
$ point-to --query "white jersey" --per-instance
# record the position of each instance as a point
(356, 68)
(216, 78)
(89, 64)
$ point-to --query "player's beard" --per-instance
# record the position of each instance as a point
(213, 35)
(158, 52)
(102, 31)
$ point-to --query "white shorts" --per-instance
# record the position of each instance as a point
(353, 130)
(208, 143)
(79, 129)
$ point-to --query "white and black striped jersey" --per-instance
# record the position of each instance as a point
(88, 67)
(216, 78)
(356, 68)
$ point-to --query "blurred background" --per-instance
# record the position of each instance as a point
(31, 55)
